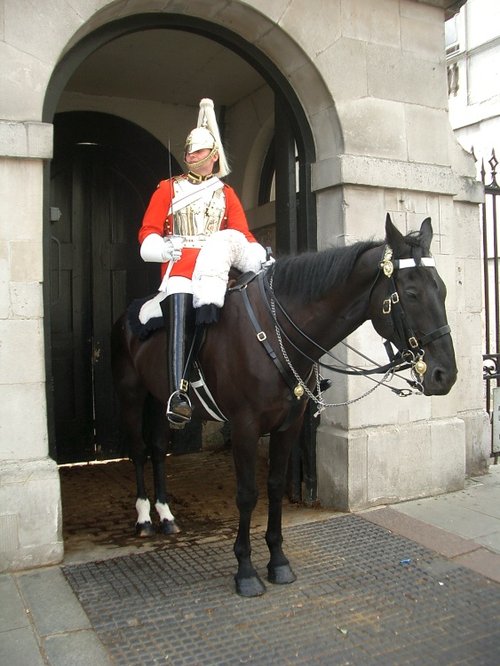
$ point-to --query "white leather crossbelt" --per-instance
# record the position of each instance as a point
(196, 242)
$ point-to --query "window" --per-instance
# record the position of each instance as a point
(451, 36)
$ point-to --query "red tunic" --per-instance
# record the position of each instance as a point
(155, 221)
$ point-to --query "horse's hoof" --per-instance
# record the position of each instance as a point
(282, 575)
(249, 587)
(144, 529)
(168, 527)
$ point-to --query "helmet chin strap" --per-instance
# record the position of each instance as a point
(201, 162)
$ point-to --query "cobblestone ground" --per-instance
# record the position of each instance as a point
(99, 504)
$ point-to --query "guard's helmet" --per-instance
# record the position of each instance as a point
(206, 135)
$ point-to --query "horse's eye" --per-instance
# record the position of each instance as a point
(411, 295)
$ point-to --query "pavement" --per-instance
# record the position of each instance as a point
(43, 622)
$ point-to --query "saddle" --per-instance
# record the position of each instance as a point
(197, 380)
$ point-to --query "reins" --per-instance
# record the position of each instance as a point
(410, 356)
(378, 369)
(388, 370)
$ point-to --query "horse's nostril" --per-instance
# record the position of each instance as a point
(442, 380)
(438, 376)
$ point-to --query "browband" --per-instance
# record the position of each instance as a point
(410, 263)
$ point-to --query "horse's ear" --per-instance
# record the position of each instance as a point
(426, 233)
(392, 235)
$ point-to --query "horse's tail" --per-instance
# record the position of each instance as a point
(120, 347)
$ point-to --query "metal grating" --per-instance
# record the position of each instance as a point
(363, 596)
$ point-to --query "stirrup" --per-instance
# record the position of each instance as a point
(176, 419)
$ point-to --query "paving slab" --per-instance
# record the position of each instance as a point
(490, 541)
(19, 647)
(12, 611)
(446, 543)
(54, 607)
(483, 561)
(472, 513)
(450, 516)
(81, 648)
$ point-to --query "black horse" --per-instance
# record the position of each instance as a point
(259, 364)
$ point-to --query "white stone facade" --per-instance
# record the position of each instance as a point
(473, 57)
(371, 78)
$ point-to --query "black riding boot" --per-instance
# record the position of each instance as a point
(178, 315)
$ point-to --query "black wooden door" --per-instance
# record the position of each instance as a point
(118, 276)
(103, 173)
(69, 311)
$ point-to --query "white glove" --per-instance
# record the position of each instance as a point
(156, 248)
(176, 245)
(268, 262)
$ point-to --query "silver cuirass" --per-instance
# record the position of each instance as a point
(203, 214)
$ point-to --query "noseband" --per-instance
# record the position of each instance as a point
(411, 347)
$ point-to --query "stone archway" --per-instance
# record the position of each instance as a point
(290, 117)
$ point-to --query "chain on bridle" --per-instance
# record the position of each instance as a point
(410, 356)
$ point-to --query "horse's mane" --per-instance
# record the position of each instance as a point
(308, 276)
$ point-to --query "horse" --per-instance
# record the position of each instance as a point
(260, 363)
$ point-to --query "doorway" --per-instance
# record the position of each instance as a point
(102, 176)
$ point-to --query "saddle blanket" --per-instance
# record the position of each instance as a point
(143, 329)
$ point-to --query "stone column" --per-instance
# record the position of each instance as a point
(30, 503)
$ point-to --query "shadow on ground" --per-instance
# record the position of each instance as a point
(99, 505)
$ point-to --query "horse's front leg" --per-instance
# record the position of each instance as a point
(248, 583)
(159, 434)
(278, 568)
(143, 526)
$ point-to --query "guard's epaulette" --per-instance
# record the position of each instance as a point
(176, 178)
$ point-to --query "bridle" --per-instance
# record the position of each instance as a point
(411, 348)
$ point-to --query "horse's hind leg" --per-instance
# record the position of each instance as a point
(278, 568)
(159, 435)
(131, 399)
(248, 583)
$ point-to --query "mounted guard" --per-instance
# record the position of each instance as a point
(184, 212)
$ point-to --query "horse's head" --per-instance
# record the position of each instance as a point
(407, 307)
